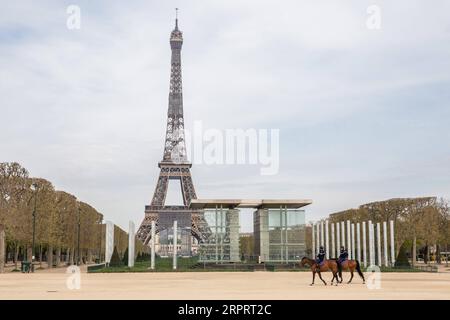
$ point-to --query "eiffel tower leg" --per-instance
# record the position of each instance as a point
(161, 190)
(144, 231)
(187, 188)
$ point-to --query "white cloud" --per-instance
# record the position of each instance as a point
(86, 108)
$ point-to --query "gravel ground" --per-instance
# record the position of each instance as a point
(51, 284)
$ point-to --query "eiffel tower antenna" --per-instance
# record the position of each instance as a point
(176, 18)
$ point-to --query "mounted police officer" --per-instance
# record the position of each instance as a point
(343, 256)
(320, 256)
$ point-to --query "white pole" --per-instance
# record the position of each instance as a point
(378, 244)
(152, 243)
(392, 243)
(349, 241)
(386, 262)
(343, 233)
(131, 241)
(372, 230)
(321, 233)
(374, 262)
(364, 251)
(318, 237)
(327, 242)
(332, 239)
(338, 239)
(109, 242)
(175, 244)
(313, 241)
(369, 224)
(353, 241)
(358, 242)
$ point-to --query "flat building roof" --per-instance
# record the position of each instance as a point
(249, 203)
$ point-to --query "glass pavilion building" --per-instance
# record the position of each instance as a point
(278, 229)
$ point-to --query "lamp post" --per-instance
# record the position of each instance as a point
(34, 187)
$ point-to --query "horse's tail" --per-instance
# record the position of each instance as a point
(358, 268)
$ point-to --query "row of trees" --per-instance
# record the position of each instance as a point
(418, 221)
(61, 223)
(121, 244)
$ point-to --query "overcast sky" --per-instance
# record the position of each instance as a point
(363, 114)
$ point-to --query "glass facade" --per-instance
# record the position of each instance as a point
(279, 234)
(286, 235)
(183, 242)
(165, 223)
(221, 236)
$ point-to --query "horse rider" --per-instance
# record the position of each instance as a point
(342, 258)
(320, 257)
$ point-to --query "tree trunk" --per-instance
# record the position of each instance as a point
(428, 253)
(14, 251)
(438, 254)
(50, 257)
(72, 251)
(58, 256)
(89, 256)
(40, 256)
(29, 253)
(16, 255)
(413, 262)
(68, 255)
(7, 250)
(2, 249)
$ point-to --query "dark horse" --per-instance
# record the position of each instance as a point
(327, 265)
(351, 265)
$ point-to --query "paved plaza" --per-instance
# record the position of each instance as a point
(51, 284)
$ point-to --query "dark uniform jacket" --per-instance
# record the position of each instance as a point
(320, 256)
(343, 256)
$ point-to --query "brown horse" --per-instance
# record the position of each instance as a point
(327, 265)
(351, 265)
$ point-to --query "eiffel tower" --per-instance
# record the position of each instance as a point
(175, 164)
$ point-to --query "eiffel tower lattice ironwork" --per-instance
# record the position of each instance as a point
(175, 164)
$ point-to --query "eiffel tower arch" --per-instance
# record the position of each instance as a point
(175, 165)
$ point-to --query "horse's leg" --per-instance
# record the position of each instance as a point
(314, 276)
(332, 279)
(320, 276)
(334, 272)
(351, 276)
(338, 272)
(335, 275)
(358, 269)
